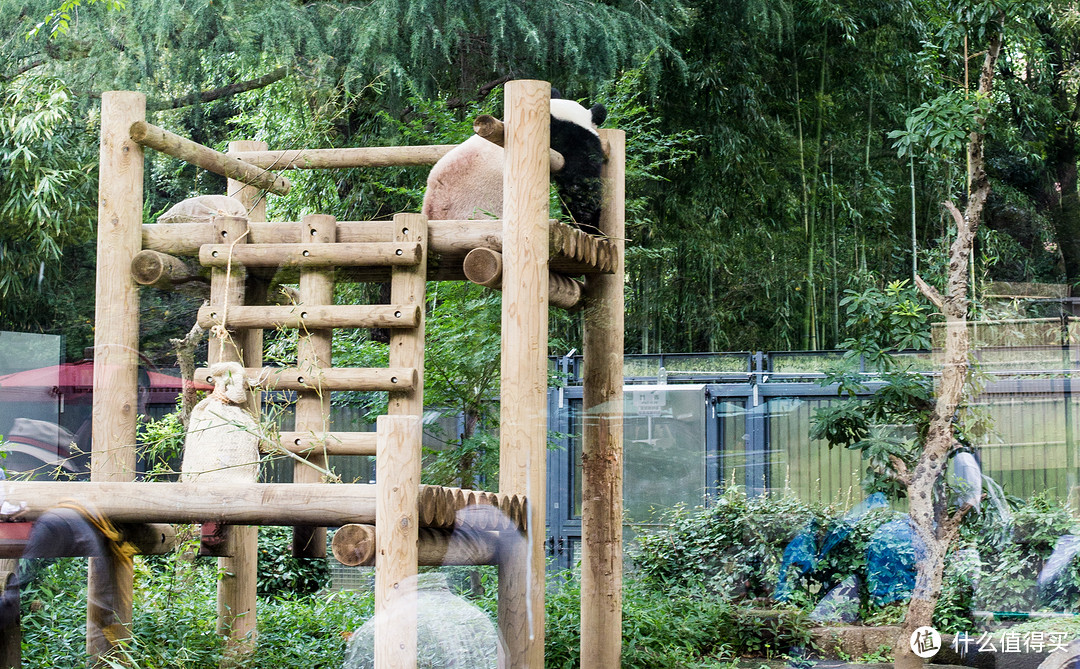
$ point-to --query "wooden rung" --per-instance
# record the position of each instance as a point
(446, 237)
(232, 503)
(331, 443)
(183, 148)
(485, 267)
(312, 255)
(313, 317)
(291, 378)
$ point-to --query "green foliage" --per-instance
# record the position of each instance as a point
(175, 618)
(163, 445)
(941, 126)
(994, 567)
(733, 546)
(282, 575)
(678, 626)
(47, 202)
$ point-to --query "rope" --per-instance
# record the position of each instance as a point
(123, 551)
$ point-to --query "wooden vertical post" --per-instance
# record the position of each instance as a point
(11, 636)
(313, 355)
(236, 580)
(239, 569)
(523, 397)
(602, 434)
(408, 285)
(397, 487)
(116, 335)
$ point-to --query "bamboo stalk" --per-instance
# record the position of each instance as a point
(217, 162)
(312, 255)
(315, 316)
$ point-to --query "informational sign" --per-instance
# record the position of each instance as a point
(649, 402)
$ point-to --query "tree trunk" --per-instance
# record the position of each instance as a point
(933, 527)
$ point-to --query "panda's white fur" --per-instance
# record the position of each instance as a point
(467, 182)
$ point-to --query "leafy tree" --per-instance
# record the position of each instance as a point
(47, 204)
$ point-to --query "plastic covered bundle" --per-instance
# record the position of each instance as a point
(965, 478)
(799, 559)
(202, 209)
(890, 562)
(840, 605)
(1066, 548)
(451, 632)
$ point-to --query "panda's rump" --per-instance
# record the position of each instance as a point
(466, 183)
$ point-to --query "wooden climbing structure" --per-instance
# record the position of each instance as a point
(395, 524)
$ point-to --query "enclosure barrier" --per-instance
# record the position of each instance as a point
(395, 524)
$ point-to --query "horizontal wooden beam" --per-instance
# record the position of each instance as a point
(331, 443)
(148, 538)
(571, 249)
(452, 237)
(160, 270)
(484, 267)
(369, 156)
(311, 255)
(235, 504)
(354, 546)
(217, 162)
(314, 317)
(336, 378)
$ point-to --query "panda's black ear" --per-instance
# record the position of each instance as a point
(555, 94)
(599, 114)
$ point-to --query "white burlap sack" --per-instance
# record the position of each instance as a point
(222, 443)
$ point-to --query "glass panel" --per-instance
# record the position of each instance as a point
(44, 407)
(807, 466)
(731, 428)
(664, 441)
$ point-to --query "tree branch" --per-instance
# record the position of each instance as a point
(481, 93)
(222, 92)
(951, 525)
(930, 292)
(21, 70)
(902, 474)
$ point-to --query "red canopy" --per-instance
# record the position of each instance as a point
(73, 378)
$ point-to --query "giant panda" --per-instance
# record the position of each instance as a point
(467, 182)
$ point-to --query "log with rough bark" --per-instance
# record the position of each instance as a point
(932, 524)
